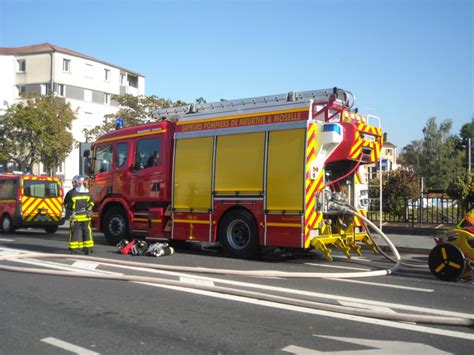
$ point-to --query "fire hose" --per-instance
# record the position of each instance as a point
(403, 317)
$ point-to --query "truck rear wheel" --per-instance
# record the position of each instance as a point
(115, 225)
(51, 229)
(7, 225)
(238, 234)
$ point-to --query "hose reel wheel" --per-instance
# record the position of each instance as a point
(447, 262)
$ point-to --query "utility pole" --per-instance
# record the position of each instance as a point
(469, 155)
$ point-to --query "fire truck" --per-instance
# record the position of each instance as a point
(248, 173)
(30, 201)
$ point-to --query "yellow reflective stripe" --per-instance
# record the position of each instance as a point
(440, 267)
(156, 221)
(140, 219)
(271, 224)
(443, 253)
(454, 265)
(81, 218)
(189, 221)
(7, 201)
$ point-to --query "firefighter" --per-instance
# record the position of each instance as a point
(78, 203)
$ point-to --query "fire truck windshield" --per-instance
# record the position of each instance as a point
(41, 189)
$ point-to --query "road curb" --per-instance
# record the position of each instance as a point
(407, 250)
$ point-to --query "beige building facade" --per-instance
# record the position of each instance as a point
(85, 82)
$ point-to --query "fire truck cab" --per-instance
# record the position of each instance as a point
(244, 173)
(29, 201)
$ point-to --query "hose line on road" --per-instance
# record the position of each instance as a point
(401, 317)
(428, 319)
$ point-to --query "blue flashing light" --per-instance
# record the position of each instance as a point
(332, 127)
(119, 123)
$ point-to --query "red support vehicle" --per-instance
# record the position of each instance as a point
(243, 173)
(30, 201)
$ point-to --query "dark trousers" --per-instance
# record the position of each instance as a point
(80, 235)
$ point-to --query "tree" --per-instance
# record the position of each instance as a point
(133, 110)
(399, 186)
(435, 157)
(37, 129)
(462, 189)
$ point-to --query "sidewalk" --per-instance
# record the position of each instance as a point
(407, 243)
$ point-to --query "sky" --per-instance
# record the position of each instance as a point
(404, 60)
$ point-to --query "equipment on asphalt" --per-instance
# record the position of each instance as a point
(452, 258)
(245, 174)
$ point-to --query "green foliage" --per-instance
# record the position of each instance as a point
(467, 130)
(462, 189)
(399, 186)
(133, 110)
(435, 157)
(37, 130)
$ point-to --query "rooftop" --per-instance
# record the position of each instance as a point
(47, 48)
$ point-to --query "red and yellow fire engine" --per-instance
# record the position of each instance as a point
(244, 173)
(30, 201)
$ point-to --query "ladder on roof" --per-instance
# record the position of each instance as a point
(319, 96)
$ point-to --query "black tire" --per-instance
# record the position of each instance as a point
(7, 225)
(447, 262)
(115, 225)
(51, 229)
(238, 234)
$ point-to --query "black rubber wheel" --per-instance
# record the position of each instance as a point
(115, 225)
(7, 225)
(238, 234)
(447, 262)
(51, 229)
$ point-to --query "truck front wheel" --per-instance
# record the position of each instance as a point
(7, 225)
(115, 225)
(238, 234)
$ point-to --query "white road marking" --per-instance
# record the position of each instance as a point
(196, 281)
(6, 240)
(338, 267)
(299, 350)
(384, 285)
(68, 346)
(373, 321)
(85, 265)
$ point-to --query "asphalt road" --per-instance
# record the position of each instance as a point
(62, 315)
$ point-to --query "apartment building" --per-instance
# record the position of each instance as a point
(388, 159)
(85, 82)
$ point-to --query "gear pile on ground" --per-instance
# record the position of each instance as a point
(140, 247)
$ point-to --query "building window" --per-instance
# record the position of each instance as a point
(123, 76)
(66, 65)
(44, 89)
(21, 90)
(60, 169)
(21, 65)
(107, 74)
(107, 99)
(62, 90)
(89, 71)
(87, 95)
(133, 81)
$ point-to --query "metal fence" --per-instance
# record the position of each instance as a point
(429, 209)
